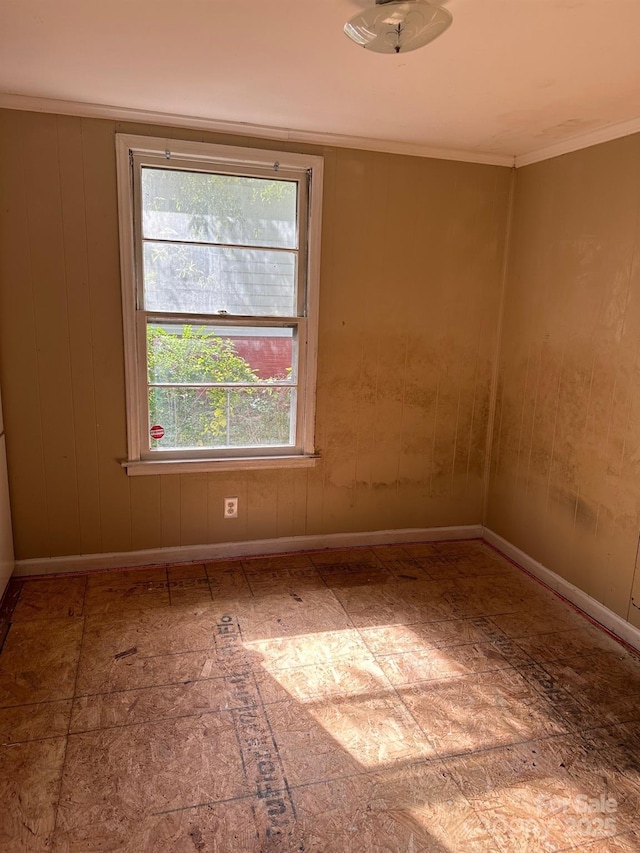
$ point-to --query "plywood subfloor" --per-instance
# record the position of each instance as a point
(424, 698)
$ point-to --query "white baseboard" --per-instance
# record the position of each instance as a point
(291, 544)
(610, 620)
(256, 547)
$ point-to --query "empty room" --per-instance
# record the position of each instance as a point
(320, 463)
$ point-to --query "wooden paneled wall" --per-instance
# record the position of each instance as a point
(565, 479)
(410, 283)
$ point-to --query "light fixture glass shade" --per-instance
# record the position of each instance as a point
(398, 26)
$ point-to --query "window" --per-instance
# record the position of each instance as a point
(220, 263)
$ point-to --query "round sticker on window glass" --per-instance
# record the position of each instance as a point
(157, 432)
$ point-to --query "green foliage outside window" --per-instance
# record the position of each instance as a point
(210, 417)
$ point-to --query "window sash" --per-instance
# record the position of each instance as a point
(300, 344)
(138, 161)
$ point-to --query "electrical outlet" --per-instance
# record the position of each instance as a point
(231, 507)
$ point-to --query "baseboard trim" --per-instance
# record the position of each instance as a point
(253, 548)
(618, 626)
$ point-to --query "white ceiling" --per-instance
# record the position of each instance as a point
(510, 77)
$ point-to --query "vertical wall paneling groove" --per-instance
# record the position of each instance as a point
(194, 508)
(401, 425)
(146, 512)
(106, 319)
(80, 332)
(170, 510)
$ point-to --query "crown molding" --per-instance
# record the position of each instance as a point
(338, 140)
(581, 140)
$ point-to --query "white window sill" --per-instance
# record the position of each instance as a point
(194, 466)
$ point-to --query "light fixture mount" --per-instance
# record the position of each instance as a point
(398, 26)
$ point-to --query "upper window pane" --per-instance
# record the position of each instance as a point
(213, 208)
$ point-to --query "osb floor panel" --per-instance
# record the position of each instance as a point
(430, 697)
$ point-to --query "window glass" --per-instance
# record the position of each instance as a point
(192, 418)
(179, 353)
(198, 279)
(211, 208)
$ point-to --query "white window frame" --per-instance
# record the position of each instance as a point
(132, 152)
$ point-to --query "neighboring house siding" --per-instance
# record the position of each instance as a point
(268, 358)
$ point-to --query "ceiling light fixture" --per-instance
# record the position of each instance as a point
(397, 26)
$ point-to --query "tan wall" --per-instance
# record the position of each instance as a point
(565, 474)
(411, 259)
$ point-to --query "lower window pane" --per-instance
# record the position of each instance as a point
(185, 418)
